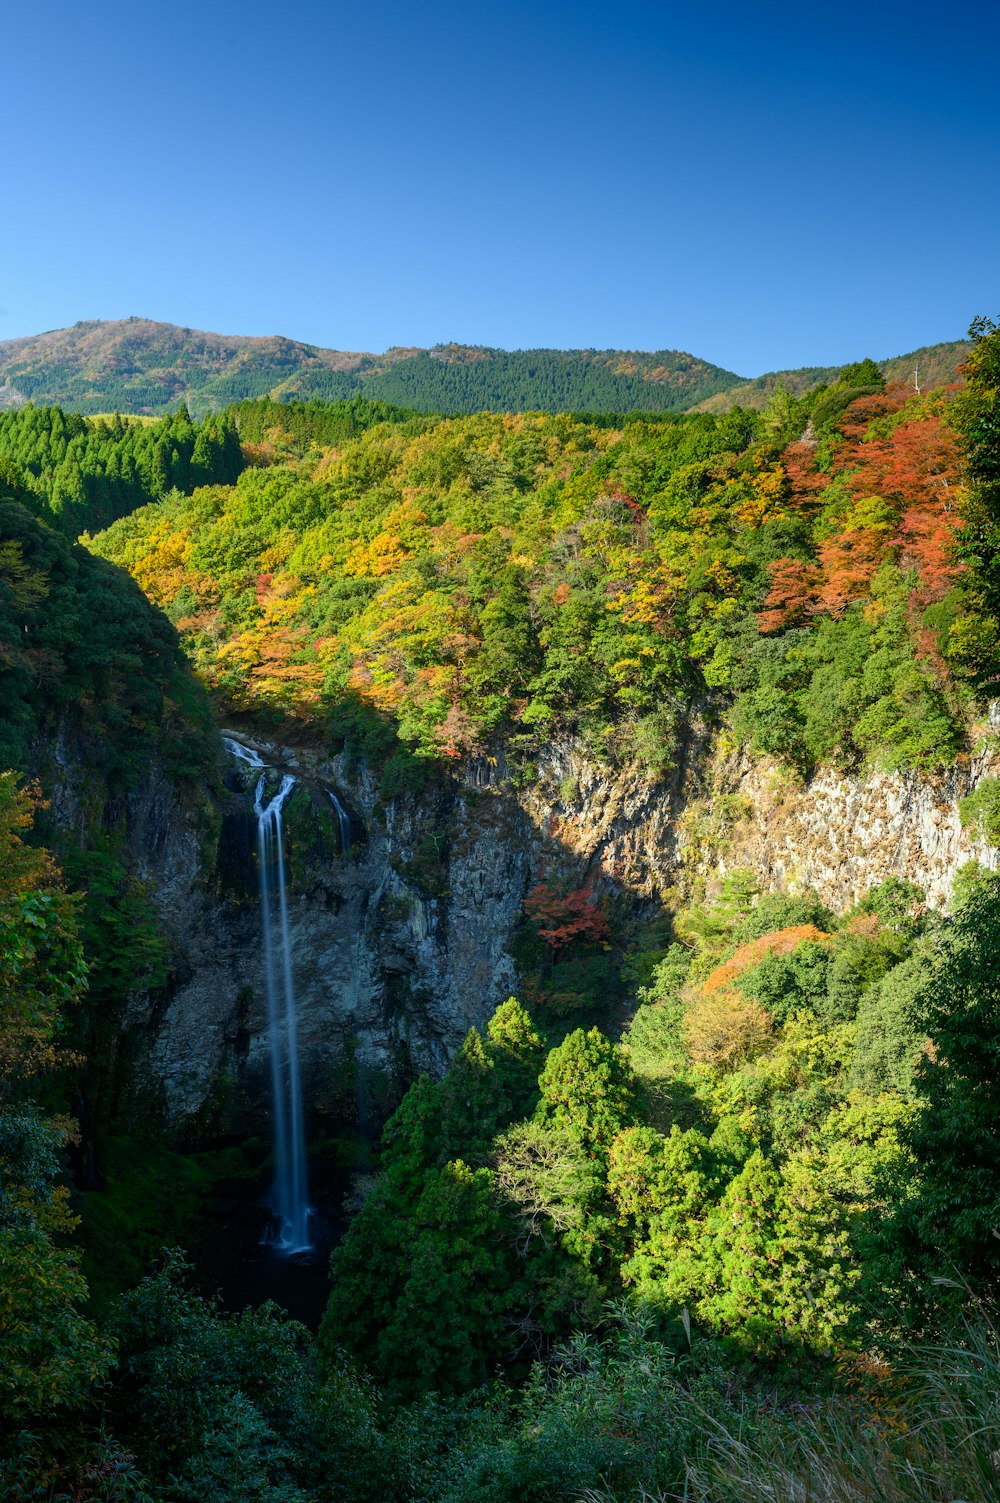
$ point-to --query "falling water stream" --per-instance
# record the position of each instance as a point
(343, 821)
(290, 1228)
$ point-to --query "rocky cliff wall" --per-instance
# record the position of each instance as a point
(402, 942)
(399, 943)
(842, 834)
(838, 832)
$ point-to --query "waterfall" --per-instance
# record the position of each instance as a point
(343, 820)
(290, 1193)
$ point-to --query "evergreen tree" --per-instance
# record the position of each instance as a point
(588, 1088)
(979, 542)
(949, 1222)
(776, 1269)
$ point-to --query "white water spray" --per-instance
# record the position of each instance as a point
(290, 1193)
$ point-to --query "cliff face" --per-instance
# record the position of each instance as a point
(401, 942)
(398, 943)
(837, 832)
(842, 835)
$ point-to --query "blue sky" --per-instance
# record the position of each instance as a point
(765, 186)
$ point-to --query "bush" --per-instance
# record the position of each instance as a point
(979, 811)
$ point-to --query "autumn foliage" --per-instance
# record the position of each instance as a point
(781, 942)
(564, 919)
(721, 1025)
(792, 596)
(500, 576)
(724, 1029)
(905, 506)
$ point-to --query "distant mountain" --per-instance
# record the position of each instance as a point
(932, 365)
(139, 366)
(136, 365)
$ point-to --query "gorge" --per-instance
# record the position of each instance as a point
(374, 937)
(541, 870)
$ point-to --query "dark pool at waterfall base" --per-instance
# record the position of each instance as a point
(299, 1282)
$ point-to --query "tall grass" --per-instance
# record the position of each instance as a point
(930, 1433)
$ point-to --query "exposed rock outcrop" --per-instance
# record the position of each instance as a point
(399, 944)
(842, 834)
(402, 942)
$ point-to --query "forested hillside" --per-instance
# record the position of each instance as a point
(459, 579)
(84, 472)
(930, 366)
(138, 366)
(81, 647)
(454, 378)
(777, 1076)
(96, 697)
(738, 1242)
(135, 365)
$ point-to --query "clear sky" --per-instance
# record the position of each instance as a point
(765, 185)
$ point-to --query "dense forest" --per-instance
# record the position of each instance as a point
(143, 367)
(513, 575)
(930, 366)
(84, 472)
(454, 379)
(734, 1239)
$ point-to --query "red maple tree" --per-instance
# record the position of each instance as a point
(792, 596)
(563, 918)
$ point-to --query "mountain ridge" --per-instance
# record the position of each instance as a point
(935, 365)
(147, 367)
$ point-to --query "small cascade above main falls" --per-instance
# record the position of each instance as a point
(290, 1229)
(343, 821)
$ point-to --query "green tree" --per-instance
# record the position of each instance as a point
(517, 1050)
(951, 1219)
(979, 810)
(51, 1354)
(554, 1193)
(448, 1332)
(778, 1273)
(227, 1408)
(391, 1271)
(588, 1087)
(865, 372)
(662, 1188)
(509, 653)
(892, 1028)
(979, 544)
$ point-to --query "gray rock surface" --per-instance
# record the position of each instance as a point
(402, 943)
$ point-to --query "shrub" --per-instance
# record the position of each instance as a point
(979, 811)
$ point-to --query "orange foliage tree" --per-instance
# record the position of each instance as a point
(722, 1028)
(851, 559)
(562, 919)
(916, 466)
(781, 942)
(792, 595)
